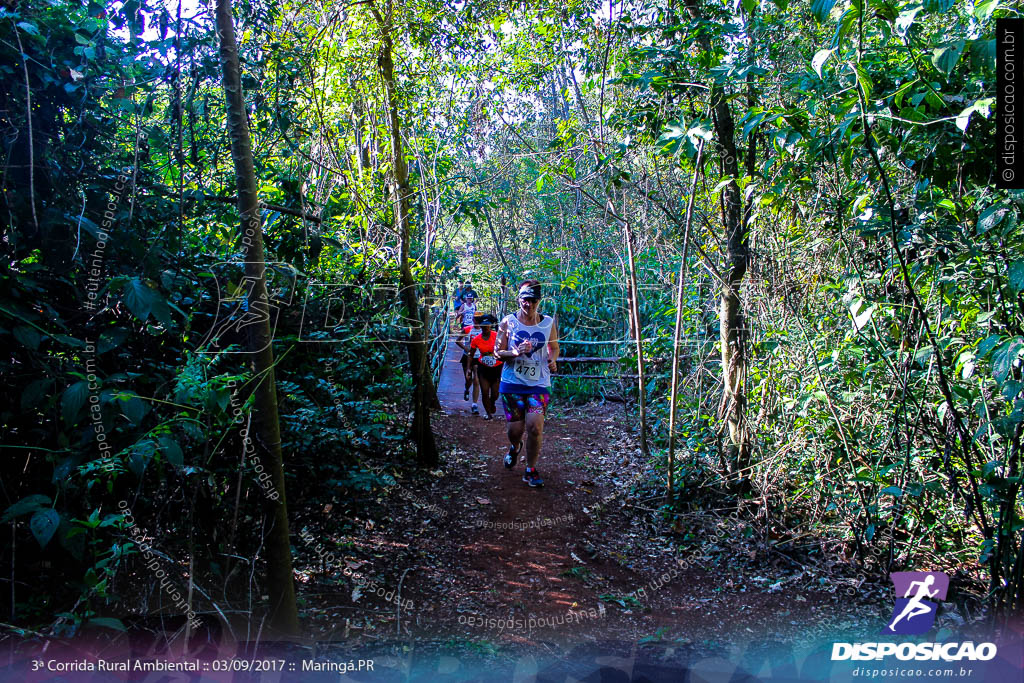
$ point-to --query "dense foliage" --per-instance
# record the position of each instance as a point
(880, 274)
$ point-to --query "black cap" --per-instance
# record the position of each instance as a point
(485, 319)
(529, 292)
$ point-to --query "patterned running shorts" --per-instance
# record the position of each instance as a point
(518, 405)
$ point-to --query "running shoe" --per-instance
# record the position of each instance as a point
(465, 395)
(488, 416)
(532, 477)
(513, 456)
(475, 410)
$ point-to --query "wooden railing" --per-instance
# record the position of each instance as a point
(438, 330)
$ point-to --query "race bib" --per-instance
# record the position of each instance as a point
(488, 360)
(527, 369)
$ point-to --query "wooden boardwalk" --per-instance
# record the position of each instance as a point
(452, 384)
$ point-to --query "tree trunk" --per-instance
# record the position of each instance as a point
(423, 387)
(733, 407)
(284, 618)
(634, 306)
(362, 148)
(674, 384)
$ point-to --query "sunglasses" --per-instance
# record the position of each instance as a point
(529, 298)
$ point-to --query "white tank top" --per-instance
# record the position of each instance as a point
(529, 369)
(468, 311)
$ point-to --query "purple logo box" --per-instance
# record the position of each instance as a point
(917, 594)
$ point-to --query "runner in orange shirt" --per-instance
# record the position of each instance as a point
(488, 366)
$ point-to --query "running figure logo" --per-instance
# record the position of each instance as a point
(914, 612)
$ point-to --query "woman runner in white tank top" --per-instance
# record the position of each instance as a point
(528, 345)
(529, 372)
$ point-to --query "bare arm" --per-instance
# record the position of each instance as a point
(553, 348)
(501, 349)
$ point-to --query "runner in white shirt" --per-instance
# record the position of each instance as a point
(528, 344)
(465, 315)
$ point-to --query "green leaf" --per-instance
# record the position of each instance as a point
(736, 72)
(172, 451)
(72, 538)
(73, 399)
(984, 9)
(668, 142)
(987, 345)
(864, 80)
(843, 26)
(44, 524)
(721, 184)
(27, 336)
(111, 339)
(906, 19)
(752, 120)
(1015, 276)
(70, 341)
(141, 453)
(28, 27)
(883, 9)
(1004, 357)
(26, 505)
(861, 314)
(945, 58)
(107, 622)
(133, 408)
(821, 9)
(938, 5)
(820, 57)
(983, 54)
(859, 204)
(160, 310)
(699, 132)
(1011, 389)
(34, 393)
(138, 297)
(991, 217)
(894, 491)
(62, 470)
(983, 106)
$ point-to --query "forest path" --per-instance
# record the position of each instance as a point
(503, 551)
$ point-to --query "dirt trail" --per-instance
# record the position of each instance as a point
(587, 549)
(469, 561)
